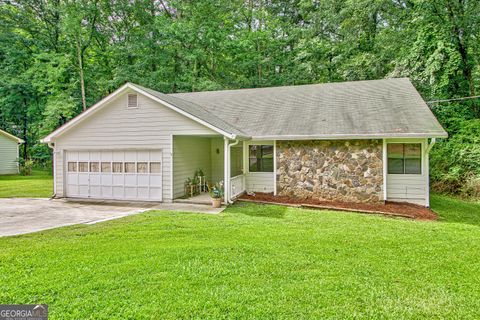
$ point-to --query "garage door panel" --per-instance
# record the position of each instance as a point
(130, 180)
(107, 192)
(95, 191)
(83, 191)
(142, 192)
(118, 156)
(106, 156)
(83, 178)
(143, 180)
(72, 178)
(106, 180)
(95, 179)
(130, 192)
(131, 156)
(83, 156)
(139, 176)
(155, 180)
(118, 180)
(143, 156)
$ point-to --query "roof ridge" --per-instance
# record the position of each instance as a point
(176, 94)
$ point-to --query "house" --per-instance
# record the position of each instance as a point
(362, 141)
(9, 153)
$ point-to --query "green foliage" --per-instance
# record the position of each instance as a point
(216, 191)
(455, 162)
(25, 166)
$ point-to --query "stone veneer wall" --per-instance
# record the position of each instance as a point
(343, 170)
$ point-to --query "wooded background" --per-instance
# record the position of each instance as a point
(59, 57)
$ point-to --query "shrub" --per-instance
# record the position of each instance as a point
(25, 167)
(455, 162)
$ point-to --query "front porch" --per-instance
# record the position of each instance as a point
(206, 155)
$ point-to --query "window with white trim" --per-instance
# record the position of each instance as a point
(260, 158)
(404, 158)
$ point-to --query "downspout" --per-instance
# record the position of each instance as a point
(54, 165)
(226, 188)
(430, 145)
(427, 169)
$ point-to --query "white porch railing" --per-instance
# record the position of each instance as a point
(237, 185)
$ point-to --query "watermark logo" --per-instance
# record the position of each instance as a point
(23, 312)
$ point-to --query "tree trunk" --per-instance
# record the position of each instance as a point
(80, 69)
(25, 130)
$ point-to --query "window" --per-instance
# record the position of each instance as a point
(260, 158)
(404, 158)
(83, 167)
(142, 167)
(132, 101)
(129, 167)
(106, 167)
(155, 167)
(117, 167)
(94, 167)
(72, 167)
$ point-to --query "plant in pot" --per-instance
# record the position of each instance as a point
(216, 192)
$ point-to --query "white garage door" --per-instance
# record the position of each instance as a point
(114, 174)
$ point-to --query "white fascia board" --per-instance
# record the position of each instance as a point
(114, 94)
(11, 136)
(350, 136)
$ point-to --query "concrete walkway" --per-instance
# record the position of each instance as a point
(24, 215)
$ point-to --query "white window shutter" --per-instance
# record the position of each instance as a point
(132, 101)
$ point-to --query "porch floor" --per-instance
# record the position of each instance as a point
(202, 198)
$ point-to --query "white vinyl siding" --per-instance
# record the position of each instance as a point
(189, 155)
(8, 155)
(409, 187)
(149, 126)
(258, 181)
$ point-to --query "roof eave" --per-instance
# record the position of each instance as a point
(351, 136)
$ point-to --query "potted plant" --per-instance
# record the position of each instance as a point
(216, 192)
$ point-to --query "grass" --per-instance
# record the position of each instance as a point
(37, 185)
(252, 261)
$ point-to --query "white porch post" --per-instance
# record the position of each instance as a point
(226, 174)
(385, 171)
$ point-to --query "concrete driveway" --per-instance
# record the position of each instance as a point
(24, 215)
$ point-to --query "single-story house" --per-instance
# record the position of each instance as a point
(361, 141)
(9, 153)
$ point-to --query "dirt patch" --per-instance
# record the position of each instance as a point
(400, 209)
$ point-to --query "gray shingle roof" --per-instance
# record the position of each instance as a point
(376, 108)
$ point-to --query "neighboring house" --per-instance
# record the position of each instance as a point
(363, 141)
(9, 153)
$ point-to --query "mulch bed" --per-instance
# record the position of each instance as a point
(398, 209)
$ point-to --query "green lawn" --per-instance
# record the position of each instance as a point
(252, 261)
(37, 185)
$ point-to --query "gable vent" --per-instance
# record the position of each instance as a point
(132, 101)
